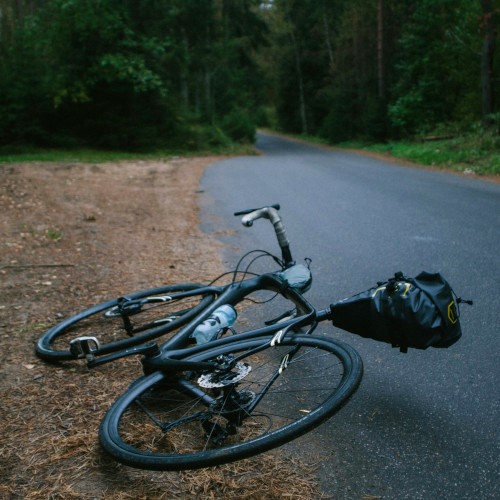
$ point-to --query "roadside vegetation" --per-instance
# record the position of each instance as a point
(469, 155)
(78, 155)
(199, 75)
(473, 153)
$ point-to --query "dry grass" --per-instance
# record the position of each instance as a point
(70, 236)
(50, 448)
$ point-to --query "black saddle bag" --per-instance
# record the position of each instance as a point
(418, 312)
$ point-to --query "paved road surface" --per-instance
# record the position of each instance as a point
(424, 425)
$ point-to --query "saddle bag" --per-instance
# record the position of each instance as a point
(418, 312)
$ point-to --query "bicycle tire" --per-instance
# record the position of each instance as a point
(131, 429)
(102, 321)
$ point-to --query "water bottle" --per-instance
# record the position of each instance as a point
(223, 317)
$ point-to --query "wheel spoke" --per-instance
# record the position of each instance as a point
(126, 321)
(266, 406)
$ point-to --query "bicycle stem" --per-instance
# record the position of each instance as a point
(271, 213)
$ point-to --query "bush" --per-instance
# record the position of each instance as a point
(239, 126)
(200, 137)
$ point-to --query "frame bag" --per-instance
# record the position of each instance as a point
(418, 312)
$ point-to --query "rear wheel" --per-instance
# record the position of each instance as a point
(125, 321)
(260, 397)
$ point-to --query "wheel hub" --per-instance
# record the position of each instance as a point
(236, 402)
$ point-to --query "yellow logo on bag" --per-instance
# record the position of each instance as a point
(377, 290)
(452, 312)
(398, 288)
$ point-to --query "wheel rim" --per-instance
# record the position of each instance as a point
(155, 317)
(165, 429)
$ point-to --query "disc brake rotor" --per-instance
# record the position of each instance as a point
(223, 378)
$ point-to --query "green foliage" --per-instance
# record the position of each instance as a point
(472, 152)
(53, 234)
(144, 74)
(201, 140)
(437, 62)
(133, 75)
(239, 126)
(358, 78)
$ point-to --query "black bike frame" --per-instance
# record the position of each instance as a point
(177, 349)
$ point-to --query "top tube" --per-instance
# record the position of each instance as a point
(233, 294)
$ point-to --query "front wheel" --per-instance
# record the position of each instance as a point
(126, 321)
(261, 397)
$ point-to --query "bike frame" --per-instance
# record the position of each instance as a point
(176, 353)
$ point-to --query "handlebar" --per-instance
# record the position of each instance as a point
(244, 212)
(271, 213)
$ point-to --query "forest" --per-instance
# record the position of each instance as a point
(189, 74)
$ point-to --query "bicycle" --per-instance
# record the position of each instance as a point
(240, 394)
(141, 316)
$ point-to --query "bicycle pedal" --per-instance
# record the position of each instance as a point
(83, 346)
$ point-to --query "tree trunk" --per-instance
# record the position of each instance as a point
(184, 70)
(208, 94)
(303, 117)
(380, 50)
(487, 53)
(298, 66)
(327, 39)
(208, 81)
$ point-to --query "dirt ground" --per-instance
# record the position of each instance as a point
(72, 235)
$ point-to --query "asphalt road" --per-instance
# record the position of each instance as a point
(423, 425)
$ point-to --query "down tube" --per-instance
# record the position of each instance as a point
(234, 294)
